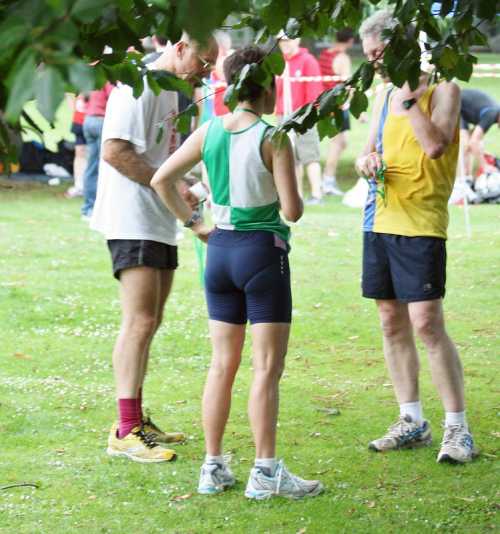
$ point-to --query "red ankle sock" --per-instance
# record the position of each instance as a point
(139, 403)
(130, 416)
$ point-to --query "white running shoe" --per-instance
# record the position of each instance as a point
(215, 478)
(282, 484)
(404, 434)
(331, 188)
(457, 446)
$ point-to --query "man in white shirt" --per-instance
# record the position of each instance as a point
(140, 233)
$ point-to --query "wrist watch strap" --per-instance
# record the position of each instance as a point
(195, 217)
(407, 104)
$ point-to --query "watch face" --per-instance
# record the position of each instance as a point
(407, 104)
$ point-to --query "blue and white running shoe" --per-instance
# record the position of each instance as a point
(457, 446)
(215, 478)
(404, 434)
(282, 484)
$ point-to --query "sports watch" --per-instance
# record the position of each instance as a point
(195, 217)
(407, 104)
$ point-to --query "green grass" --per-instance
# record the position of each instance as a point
(59, 315)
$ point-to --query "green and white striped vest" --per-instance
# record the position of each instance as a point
(244, 195)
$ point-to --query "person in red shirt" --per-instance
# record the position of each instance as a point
(335, 61)
(217, 75)
(92, 130)
(293, 93)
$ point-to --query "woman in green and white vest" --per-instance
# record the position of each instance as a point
(247, 275)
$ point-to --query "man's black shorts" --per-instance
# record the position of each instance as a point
(127, 253)
(409, 269)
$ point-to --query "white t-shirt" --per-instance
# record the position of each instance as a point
(125, 209)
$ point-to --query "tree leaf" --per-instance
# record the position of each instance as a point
(275, 62)
(326, 127)
(358, 104)
(464, 68)
(82, 77)
(446, 7)
(49, 91)
(231, 97)
(486, 9)
(367, 74)
(449, 58)
(169, 82)
(20, 83)
(88, 10)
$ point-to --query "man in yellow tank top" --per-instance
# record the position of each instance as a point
(414, 136)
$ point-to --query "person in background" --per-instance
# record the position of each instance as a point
(481, 111)
(141, 237)
(292, 95)
(217, 79)
(335, 61)
(247, 275)
(79, 163)
(415, 135)
(92, 130)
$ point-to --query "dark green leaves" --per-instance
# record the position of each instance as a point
(62, 37)
(274, 63)
(231, 97)
(49, 91)
(446, 6)
(465, 67)
(20, 84)
(169, 82)
(184, 119)
(359, 103)
(88, 10)
(82, 76)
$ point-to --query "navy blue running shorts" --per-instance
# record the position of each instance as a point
(247, 277)
(409, 269)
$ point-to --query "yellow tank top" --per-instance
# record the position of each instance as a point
(417, 187)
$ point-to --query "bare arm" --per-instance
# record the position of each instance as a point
(165, 179)
(280, 154)
(436, 132)
(476, 146)
(122, 156)
(341, 65)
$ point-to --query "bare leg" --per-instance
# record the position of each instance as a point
(467, 156)
(314, 174)
(428, 320)
(79, 164)
(227, 344)
(166, 281)
(269, 344)
(139, 291)
(337, 145)
(399, 349)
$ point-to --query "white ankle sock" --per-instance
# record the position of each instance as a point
(214, 459)
(455, 418)
(414, 410)
(330, 179)
(267, 463)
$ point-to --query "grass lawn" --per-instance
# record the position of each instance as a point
(59, 316)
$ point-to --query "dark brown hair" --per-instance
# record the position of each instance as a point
(235, 62)
(344, 35)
